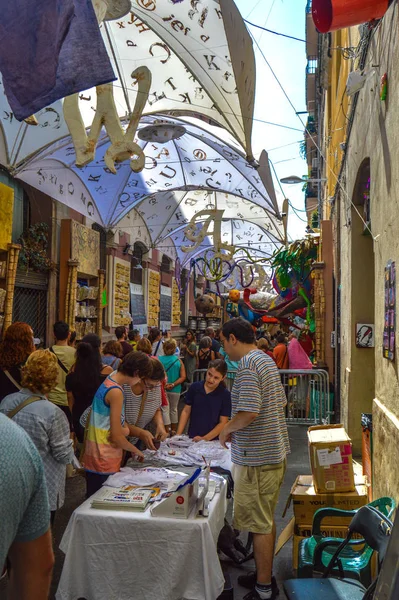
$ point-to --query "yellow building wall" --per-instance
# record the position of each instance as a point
(369, 382)
(337, 108)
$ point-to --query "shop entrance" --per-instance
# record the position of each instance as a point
(361, 389)
(30, 302)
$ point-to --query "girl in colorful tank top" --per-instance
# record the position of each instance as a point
(105, 434)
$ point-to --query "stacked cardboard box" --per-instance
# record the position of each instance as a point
(330, 452)
(332, 484)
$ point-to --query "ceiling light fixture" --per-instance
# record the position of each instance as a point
(162, 133)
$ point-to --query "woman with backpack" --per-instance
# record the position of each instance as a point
(112, 353)
(176, 375)
(43, 421)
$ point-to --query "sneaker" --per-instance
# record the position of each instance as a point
(253, 594)
(249, 581)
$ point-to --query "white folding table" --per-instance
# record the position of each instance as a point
(115, 555)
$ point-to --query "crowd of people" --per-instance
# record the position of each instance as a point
(108, 403)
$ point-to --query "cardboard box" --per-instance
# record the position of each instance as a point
(180, 503)
(330, 452)
(306, 500)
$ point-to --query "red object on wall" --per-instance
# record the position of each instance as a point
(329, 15)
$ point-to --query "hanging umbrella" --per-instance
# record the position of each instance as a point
(200, 55)
(178, 208)
(179, 156)
(201, 60)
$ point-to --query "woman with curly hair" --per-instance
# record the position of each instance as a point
(15, 348)
(43, 421)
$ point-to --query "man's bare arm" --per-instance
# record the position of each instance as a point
(31, 568)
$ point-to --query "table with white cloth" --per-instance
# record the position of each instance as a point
(110, 555)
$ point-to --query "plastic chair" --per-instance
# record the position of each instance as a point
(355, 559)
(376, 529)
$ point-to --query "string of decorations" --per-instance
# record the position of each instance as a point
(217, 270)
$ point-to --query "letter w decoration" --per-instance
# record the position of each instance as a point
(122, 145)
(198, 237)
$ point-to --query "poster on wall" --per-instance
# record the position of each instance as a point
(85, 247)
(137, 308)
(364, 335)
(166, 308)
(388, 346)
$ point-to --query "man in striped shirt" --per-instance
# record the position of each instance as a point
(259, 446)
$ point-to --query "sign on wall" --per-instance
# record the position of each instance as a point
(365, 335)
(137, 308)
(389, 344)
(166, 308)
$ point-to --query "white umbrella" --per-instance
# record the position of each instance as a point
(191, 159)
(201, 61)
(200, 55)
(167, 212)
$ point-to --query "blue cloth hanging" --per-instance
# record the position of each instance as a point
(49, 49)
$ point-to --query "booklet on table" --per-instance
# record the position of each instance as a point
(122, 499)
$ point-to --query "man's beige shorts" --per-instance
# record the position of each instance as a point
(256, 491)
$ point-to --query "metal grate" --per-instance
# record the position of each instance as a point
(30, 306)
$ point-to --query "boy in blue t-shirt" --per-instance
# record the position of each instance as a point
(208, 405)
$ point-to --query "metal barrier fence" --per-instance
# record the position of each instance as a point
(308, 394)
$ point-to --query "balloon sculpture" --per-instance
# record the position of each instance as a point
(204, 304)
(293, 286)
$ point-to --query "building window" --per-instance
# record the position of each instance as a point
(166, 264)
(136, 267)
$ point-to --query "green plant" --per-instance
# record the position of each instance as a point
(311, 125)
(34, 245)
(303, 150)
(314, 220)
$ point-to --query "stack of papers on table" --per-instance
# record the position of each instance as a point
(122, 499)
(145, 477)
(181, 450)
